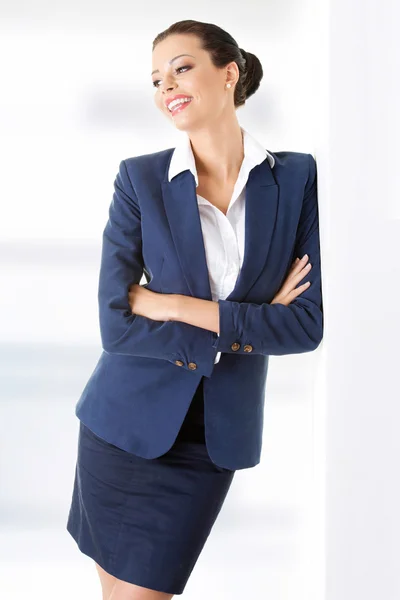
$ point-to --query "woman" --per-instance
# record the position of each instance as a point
(175, 404)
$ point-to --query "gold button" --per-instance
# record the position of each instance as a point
(247, 348)
(179, 363)
(235, 346)
(192, 366)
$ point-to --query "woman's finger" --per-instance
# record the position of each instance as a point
(287, 298)
(297, 291)
(294, 265)
(295, 278)
(297, 265)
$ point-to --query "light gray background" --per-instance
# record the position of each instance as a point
(318, 518)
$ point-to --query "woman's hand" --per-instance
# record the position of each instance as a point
(288, 291)
(146, 303)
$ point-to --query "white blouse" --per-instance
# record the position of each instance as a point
(223, 235)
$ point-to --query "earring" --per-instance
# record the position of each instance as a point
(228, 85)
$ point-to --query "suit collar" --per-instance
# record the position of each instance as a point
(182, 157)
(182, 211)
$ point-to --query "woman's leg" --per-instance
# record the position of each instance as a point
(107, 581)
(115, 589)
(128, 591)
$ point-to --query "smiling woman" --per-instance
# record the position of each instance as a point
(198, 73)
(216, 222)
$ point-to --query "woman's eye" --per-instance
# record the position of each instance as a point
(184, 67)
(178, 69)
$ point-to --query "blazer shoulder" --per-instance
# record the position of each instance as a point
(293, 159)
(149, 159)
(151, 164)
(295, 166)
(304, 176)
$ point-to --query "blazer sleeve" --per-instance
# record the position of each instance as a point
(276, 329)
(121, 331)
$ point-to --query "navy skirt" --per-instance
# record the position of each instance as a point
(145, 521)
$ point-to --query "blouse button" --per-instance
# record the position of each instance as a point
(247, 348)
(192, 366)
(235, 346)
(179, 363)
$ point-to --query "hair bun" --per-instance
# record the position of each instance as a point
(243, 53)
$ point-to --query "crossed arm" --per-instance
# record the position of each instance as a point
(187, 327)
(175, 307)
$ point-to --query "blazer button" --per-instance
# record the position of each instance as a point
(179, 363)
(192, 366)
(235, 346)
(247, 348)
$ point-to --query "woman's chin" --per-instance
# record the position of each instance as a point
(185, 124)
(182, 124)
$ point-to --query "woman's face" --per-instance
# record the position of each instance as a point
(192, 75)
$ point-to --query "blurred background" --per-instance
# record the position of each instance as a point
(76, 99)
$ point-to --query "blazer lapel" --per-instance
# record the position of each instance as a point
(261, 203)
(261, 206)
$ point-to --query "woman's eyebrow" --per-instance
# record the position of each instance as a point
(172, 59)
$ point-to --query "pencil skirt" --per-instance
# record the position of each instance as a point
(146, 521)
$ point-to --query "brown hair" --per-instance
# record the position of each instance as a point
(223, 49)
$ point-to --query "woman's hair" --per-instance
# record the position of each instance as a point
(223, 49)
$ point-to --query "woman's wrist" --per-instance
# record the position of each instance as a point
(173, 302)
(193, 311)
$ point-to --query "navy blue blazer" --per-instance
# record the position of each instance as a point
(141, 387)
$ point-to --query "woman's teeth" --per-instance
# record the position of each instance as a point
(178, 103)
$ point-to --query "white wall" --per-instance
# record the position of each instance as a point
(362, 291)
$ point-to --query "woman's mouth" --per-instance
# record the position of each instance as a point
(179, 107)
